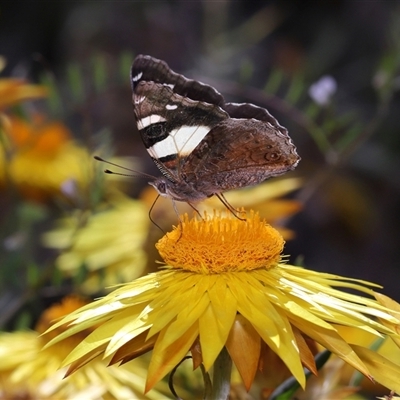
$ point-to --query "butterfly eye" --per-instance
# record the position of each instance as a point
(161, 187)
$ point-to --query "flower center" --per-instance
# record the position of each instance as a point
(218, 244)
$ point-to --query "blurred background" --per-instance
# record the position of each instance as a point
(328, 71)
(269, 53)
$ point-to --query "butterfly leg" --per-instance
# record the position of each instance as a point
(229, 206)
(196, 210)
(151, 219)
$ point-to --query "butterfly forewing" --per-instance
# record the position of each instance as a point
(149, 69)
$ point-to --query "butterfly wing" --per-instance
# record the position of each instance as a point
(243, 150)
(169, 114)
(149, 69)
(201, 144)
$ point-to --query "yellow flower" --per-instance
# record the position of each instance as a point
(29, 372)
(40, 158)
(226, 285)
(13, 91)
(109, 243)
(345, 374)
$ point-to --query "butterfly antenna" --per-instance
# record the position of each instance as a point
(151, 219)
(108, 171)
(226, 203)
(136, 174)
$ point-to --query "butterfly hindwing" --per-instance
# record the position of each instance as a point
(265, 151)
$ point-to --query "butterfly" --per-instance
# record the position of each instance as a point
(202, 145)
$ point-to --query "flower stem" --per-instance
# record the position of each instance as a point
(221, 376)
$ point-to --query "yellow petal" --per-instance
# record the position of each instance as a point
(264, 192)
(307, 357)
(126, 334)
(382, 370)
(332, 341)
(211, 340)
(244, 346)
(395, 311)
(134, 348)
(164, 359)
(98, 338)
(86, 358)
(184, 321)
(224, 306)
(271, 325)
(197, 356)
(171, 302)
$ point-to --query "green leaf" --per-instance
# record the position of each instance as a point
(29, 213)
(296, 89)
(23, 322)
(312, 110)
(274, 81)
(53, 99)
(349, 137)
(32, 274)
(246, 70)
(81, 274)
(75, 81)
(57, 278)
(99, 72)
(125, 63)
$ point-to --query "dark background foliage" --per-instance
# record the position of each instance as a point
(351, 217)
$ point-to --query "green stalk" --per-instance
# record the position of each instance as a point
(221, 376)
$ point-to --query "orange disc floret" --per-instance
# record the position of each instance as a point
(221, 244)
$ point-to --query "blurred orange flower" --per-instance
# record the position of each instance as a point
(41, 159)
(13, 91)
